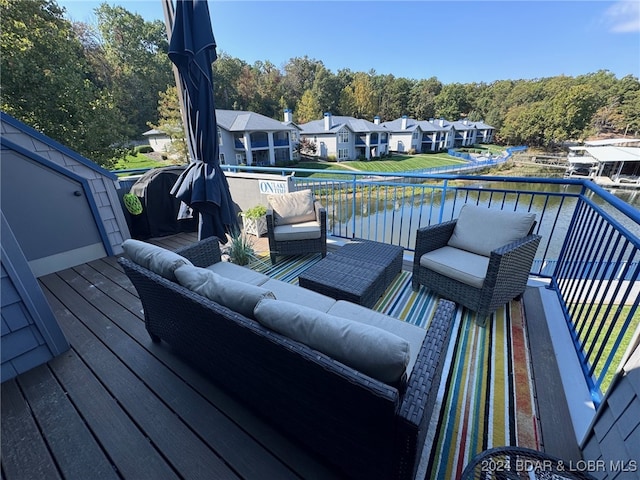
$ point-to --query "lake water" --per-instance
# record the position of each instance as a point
(394, 216)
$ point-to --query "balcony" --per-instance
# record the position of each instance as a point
(115, 398)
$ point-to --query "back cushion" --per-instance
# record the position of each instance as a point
(368, 349)
(481, 230)
(238, 296)
(294, 207)
(157, 259)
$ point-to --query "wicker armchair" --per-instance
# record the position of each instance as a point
(505, 278)
(298, 238)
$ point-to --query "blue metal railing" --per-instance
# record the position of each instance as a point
(589, 250)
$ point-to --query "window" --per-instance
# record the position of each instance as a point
(343, 136)
(415, 135)
(343, 153)
(221, 156)
(219, 137)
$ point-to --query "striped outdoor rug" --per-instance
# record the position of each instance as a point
(486, 395)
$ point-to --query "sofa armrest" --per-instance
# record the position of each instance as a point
(431, 238)
(204, 253)
(416, 408)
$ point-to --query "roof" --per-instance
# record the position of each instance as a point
(396, 125)
(615, 154)
(610, 141)
(242, 121)
(356, 125)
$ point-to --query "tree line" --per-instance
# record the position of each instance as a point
(93, 87)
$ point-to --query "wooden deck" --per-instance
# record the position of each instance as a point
(118, 406)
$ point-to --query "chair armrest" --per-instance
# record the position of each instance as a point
(431, 238)
(204, 253)
(321, 217)
(511, 263)
(271, 223)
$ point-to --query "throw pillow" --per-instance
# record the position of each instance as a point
(370, 350)
(481, 230)
(294, 207)
(238, 296)
(157, 259)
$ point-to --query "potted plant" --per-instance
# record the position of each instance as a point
(254, 220)
(240, 248)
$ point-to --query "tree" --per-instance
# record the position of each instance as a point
(308, 108)
(422, 103)
(226, 77)
(47, 81)
(170, 123)
(136, 51)
(452, 102)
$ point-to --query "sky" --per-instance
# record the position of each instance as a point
(455, 41)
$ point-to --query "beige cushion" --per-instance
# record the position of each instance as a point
(238, 296)
(157, 259)
(482, 230)
(466, 267)
(297, 231)
(370, 350)
(236, 272)
(294, 207)
(411, 333)
(298, 295)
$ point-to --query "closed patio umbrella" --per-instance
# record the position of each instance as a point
(202, 186)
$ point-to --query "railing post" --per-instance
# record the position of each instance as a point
(443, 198)
(353, 213)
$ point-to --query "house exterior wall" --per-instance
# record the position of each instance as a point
(614, 439)
(159, 143)
(102, 184)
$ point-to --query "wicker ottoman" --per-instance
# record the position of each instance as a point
(359, 272)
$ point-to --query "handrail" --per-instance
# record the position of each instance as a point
(590, 249)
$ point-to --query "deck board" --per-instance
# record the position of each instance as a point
(24, 452)
(117, 405)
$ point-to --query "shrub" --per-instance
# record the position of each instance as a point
(144, 149)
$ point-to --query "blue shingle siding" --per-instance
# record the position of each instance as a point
(22, 343)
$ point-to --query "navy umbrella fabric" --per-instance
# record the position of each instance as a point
(202, 186)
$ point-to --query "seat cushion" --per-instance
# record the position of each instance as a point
(297, 231)
(411, 333)
(466, 267)
(482, 230)
(294, 207)
(237, 296)
(236, 272)
(157, 259)
(370, 350)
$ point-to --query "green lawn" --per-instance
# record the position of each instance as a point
(405, 163)
(395, 164)
(137, 161)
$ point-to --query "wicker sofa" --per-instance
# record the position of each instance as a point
(480, 260)
(364, 427)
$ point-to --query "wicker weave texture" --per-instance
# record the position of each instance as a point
(365, 428)
(298, 247)
(506, 277)
(523, 463)
(358, 272)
